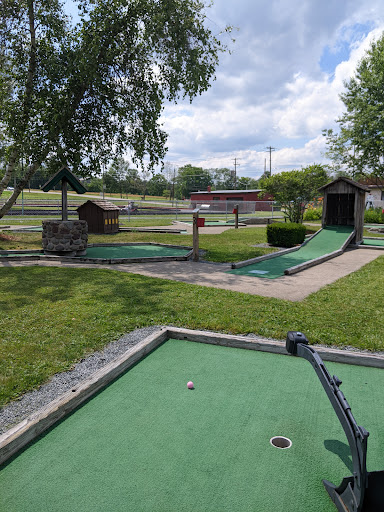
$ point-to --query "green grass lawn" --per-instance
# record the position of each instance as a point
(231, 245)
(52, 317)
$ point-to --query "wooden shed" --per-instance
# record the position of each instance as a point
(102, 216)
(344, 205)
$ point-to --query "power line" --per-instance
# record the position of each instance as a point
(270, 149)
(236, 165)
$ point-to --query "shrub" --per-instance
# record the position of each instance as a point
(313, 213)
(285, 235)
(374, 216)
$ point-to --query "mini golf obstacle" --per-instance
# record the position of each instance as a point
(364, 491)
(327, 243)
(342, 224)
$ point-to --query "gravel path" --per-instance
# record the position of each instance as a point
(18, 410)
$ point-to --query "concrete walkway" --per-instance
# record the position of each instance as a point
(293, 288)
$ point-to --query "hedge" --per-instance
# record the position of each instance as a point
(285, 235)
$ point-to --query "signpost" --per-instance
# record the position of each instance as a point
(195, 252)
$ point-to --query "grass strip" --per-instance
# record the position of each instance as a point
(231, 245)
(53, 317)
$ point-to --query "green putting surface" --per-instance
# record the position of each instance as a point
(21, 254)
(379, 242)
(135, 251)
(30, 228)
(122, 252)
(328, 240)
(147, 443)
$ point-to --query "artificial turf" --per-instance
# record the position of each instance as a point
(122, 251)
(135, 251)
(148, 443)
(377, 242)
(326, 241)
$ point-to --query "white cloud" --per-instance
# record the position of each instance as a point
(271, 91)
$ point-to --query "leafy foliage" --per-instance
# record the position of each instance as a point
(190, 179)
(75, 94)
(312, 213)
(295, 189)
(359, 145)
(285, 234)
(374, 216)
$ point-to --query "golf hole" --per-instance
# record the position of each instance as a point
(281, 442)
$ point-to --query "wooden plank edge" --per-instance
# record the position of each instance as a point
(264, 257)
(26, 431)
(278, 347)
(320, 259)
(312, 263)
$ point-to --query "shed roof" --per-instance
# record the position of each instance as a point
(64, 174)
(100, 203)
(347, 180)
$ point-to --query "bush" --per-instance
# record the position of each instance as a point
(285, 235)
(374, 216)
(313, 213)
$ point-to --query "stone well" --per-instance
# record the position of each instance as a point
(65, 237)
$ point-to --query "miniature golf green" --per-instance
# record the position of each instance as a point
(122, 252)
(148, 443)
(377, 242)
(328, 240)
(135, 251)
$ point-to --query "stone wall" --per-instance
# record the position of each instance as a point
(65, 237)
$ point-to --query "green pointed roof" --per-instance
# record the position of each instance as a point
(64, 174)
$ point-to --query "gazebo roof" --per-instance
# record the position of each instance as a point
(64, 174)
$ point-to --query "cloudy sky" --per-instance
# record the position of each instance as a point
(278, 88)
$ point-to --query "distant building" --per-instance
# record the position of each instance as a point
(216, 199)
(376, 189)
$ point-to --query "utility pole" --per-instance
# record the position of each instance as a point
(270, 149)
(236, 165)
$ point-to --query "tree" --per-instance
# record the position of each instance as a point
(295, 189)
(157, 184)
(223, 178)
(245, 183)
(358, 148)
(190, 179)
(77, 94)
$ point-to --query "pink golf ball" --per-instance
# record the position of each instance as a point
(190, 385)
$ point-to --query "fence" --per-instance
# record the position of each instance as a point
(148, 207)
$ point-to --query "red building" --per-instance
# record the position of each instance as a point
(214, 198)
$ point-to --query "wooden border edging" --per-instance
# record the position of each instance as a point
(271, 255)
(22, 255)
(312, 263)
(19, 436)
(26, 431)
(264, 257)
(320, 259)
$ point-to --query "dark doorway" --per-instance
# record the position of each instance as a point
(340, 210)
